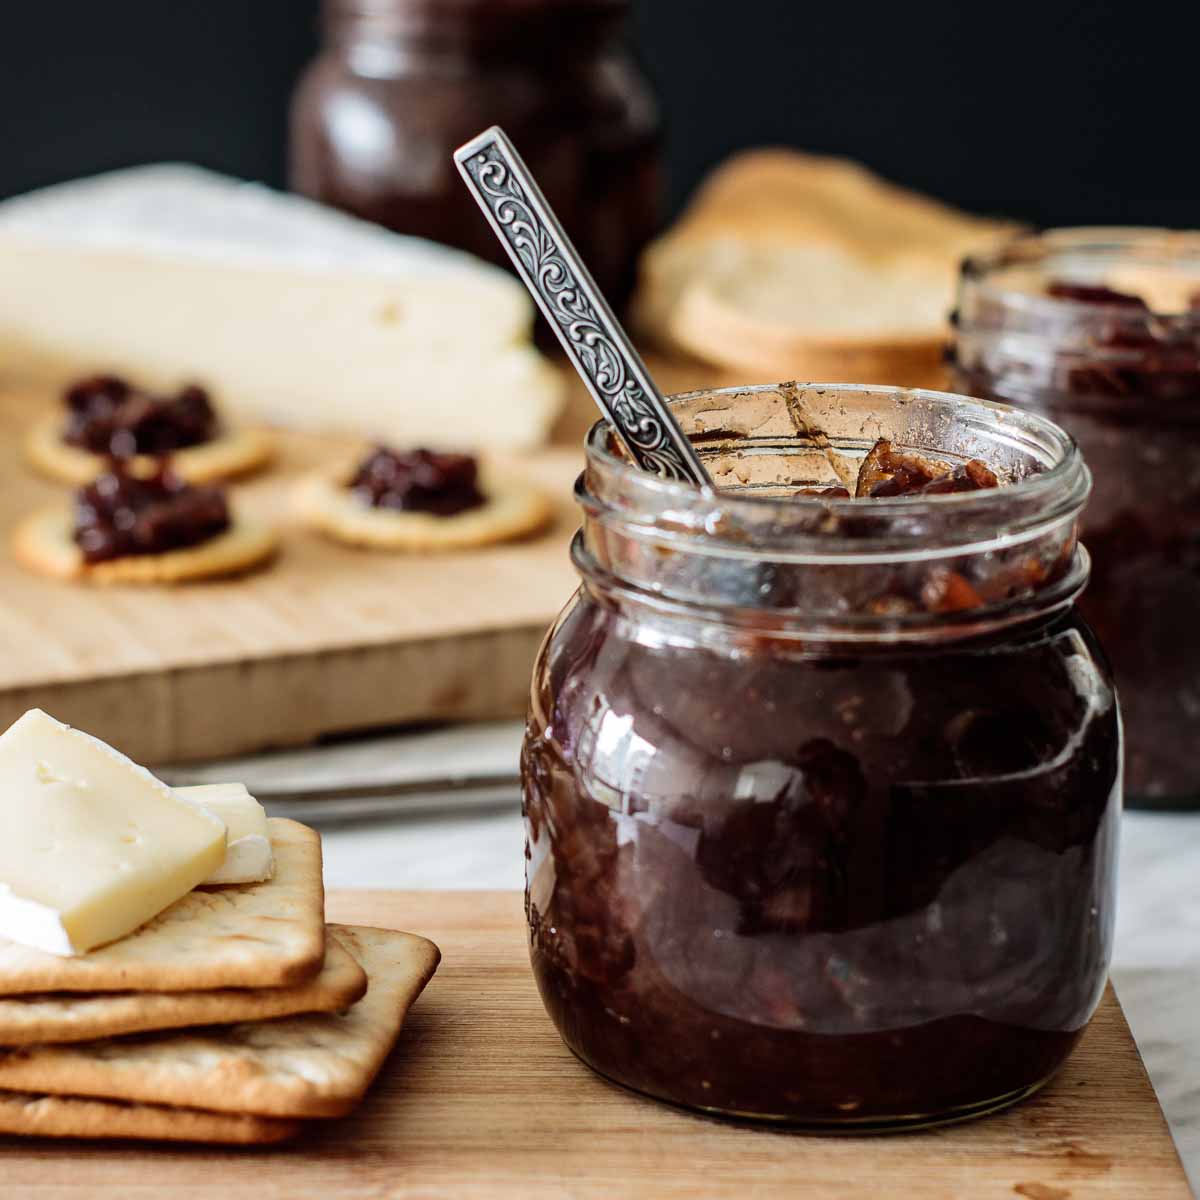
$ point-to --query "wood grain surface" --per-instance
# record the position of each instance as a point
(482, 1100)
(329, 639)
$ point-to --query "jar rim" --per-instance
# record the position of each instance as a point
(393, 7)
(945, 566)
(1165, 246)
(1044, 497)
(411, 15)
(462, 22)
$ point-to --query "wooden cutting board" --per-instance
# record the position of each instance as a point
(329, 639)
(482, 1100)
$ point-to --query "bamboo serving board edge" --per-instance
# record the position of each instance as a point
(481, 1100)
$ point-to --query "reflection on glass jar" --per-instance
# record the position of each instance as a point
(821, 795)
(401, 84)
(1100, 330)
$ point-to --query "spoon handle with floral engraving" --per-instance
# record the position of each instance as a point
(597, 346)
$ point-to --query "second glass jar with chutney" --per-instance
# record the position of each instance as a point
(1100, 330)
(400, 84)
(821, 795)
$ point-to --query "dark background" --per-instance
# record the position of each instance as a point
(1054, 113)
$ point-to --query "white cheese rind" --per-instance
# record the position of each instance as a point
(248, 856)
(33, 924)
(94, 845)
(291, 313)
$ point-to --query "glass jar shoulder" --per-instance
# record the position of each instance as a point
(664, 719)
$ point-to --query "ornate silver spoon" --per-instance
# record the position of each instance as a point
(597, 346)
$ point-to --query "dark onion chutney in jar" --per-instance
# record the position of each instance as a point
(821, 794)
(1099, 329)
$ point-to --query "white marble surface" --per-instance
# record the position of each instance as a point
(1157, 960)
(1156, 966)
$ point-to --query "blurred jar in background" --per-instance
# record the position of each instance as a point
(1099, 329)
(400, 84)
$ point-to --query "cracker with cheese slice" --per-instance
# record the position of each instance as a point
(80, 1017)
(75, 1117)
(92, 846)
(253, 935)
(306, 1066)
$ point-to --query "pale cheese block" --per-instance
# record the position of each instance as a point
(93, 845)
(289, 312)
(248, 857)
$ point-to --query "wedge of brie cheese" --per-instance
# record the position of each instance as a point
(289, 312)
(93, 845)
(248, 857)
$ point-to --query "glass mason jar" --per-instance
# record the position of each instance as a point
(821, 796)
(400, 84)
(1124, 379)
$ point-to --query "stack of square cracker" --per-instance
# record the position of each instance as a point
(233, 1016)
